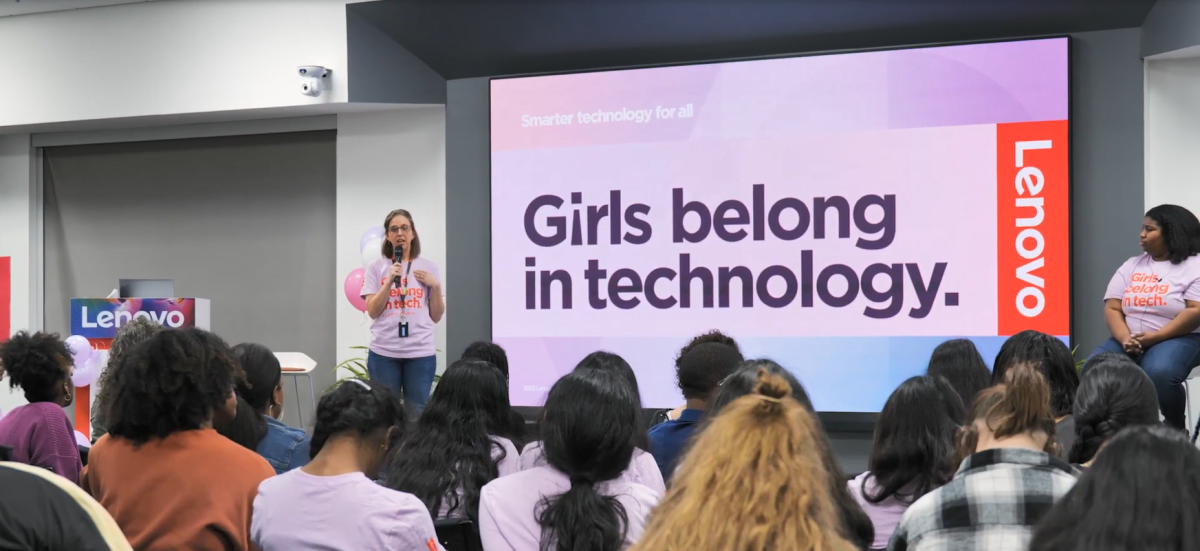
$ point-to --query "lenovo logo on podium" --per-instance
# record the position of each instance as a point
(101, 318)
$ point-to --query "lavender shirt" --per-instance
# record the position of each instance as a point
(385, 329)
(1153, 293)
(509, 465)
(508, 507)
(885, 515)
(642, 468)
(40, 434)
(297, 510)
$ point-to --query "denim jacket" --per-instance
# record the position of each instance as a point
(284, 447)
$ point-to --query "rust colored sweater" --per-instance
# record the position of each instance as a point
(191, 490)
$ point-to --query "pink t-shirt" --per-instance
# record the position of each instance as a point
(509, 507)
(385, 329)
(885, 515)
(642, 468)
(1153, 293)
(509, 465)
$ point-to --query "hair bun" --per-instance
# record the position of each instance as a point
(772, 386)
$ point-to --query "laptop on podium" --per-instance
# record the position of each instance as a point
(146, 288)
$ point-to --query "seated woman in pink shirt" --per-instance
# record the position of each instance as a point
(39, 433)
(913, 453)
(642, 468)
(333, 502)
(1152, 305)
(459, 444)
(578, 500)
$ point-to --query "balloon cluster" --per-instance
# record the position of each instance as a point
(369, 249)
(87, 361)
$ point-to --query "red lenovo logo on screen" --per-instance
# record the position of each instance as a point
(1033, 233)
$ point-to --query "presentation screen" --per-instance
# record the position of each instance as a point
(839, 214)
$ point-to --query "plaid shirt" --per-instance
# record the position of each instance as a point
(991, 504)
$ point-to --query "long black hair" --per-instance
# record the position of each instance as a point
(959, 362)
(38, 363)
(1114, 393)
(607, 361)
(171, 382)
(591, 418)
(492, 353)
(263, 374)
(1180, 230)
(246, 429)
(367, 410)
(1142, 492)
(1050, 356)
(913, 453)
(452, 448)
(856, 526)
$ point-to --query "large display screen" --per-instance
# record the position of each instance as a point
(840, 214)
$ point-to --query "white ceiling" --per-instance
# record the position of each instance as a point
(22, 7)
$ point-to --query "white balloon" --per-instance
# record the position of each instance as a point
(370, 252)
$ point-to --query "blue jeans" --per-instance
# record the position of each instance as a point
(1167, 363)
(411, 376)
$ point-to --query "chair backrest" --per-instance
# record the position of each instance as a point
(458, 534)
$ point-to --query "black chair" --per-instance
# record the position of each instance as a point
(458, 534)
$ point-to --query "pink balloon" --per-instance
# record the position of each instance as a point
(87, 373)
(353, 287)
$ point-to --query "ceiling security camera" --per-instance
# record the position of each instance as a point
(313, 79)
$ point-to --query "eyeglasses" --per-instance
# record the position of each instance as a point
(399, 229)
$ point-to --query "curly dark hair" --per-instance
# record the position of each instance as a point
(452, 449)
(38, 363)
(700, 371)
(128, 336)
(1180, 230)
(169, 383)
(714, 335)
(1050, 356)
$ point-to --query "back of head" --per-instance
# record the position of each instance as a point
(1050, 356)
(1114, 393)
(752, 481)
(855, 523)
(591, 417)
(612, 363)
(263, 373)
(959, 362)
(701, 370)
(489, 352)
(171, 382)
(914, 451)
(451, 447)
(1020, 405)
(1142, 492)
(714, 335)
(37, 363)
(1180, 230)
(364, 410)
(246, 429)
(128, 336)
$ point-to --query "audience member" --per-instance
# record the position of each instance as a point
(854, 524)
(1007, 483)
(333, 501)
(1142, 492)
(715, 335)
(579, 500)
(39, 433)
(699, 372)
(492, 353)
(244, 429)
(43, 511)
(128, 336)
(959, 362)
(284, 447)
(642, 468)
(913, 453)
(167, 478)
(753, 480)
(1050, 356)
(1114, 393)
(459, 444)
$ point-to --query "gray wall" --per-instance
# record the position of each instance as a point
(1107, 196)
(382, 71)
(1171, 25)
(245, 221)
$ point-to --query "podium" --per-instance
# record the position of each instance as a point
(99, 319)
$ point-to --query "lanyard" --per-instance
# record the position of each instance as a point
(404, 289)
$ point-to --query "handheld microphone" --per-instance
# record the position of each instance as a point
(397, 256)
